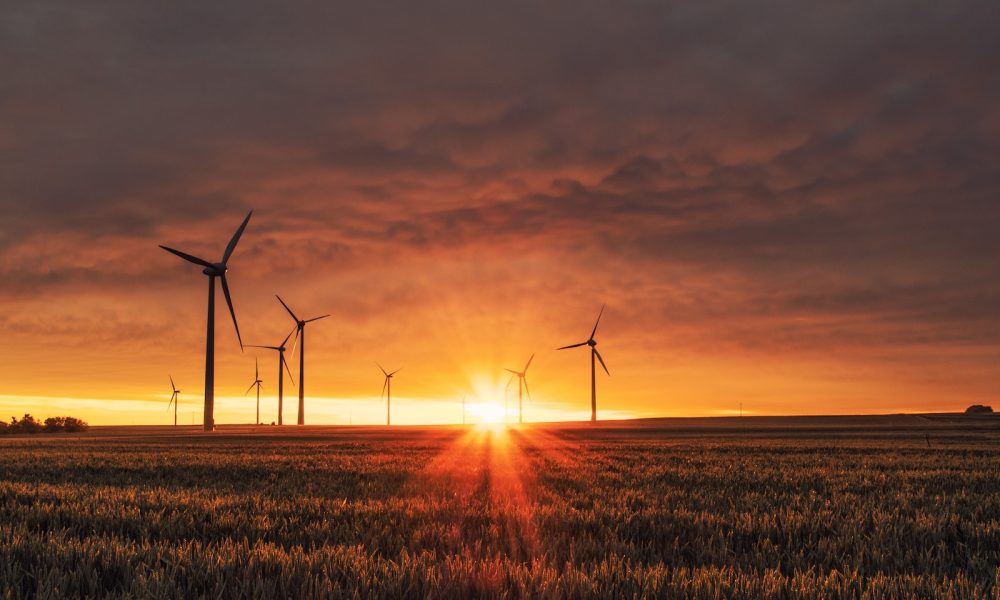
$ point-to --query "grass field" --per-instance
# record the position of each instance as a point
(822, 507)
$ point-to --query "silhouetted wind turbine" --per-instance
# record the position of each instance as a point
(281, 376)
(593, 370)
(300, 338)
(173, 398)
(256, 383)
(521, 380)
(214, 270)
(387, 390)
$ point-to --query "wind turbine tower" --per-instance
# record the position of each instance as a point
(213, 271)
(521, 381)
(256, 383)
(280, 348)
(594, 354)
(174, 398)
(300, 337)
(387, 390)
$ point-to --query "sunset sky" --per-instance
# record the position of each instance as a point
(791, 205)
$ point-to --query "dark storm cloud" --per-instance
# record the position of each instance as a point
(828, 156)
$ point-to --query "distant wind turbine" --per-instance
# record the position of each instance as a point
(593, 370)
(300, 337)
(280, 348)
(387, 390)
(174, 398)
(213, 270)
(521, 380)
(256, 383)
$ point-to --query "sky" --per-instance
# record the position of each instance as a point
(789, 206)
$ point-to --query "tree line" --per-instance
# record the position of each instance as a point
(28, 424)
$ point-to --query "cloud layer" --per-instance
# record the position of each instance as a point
(786, 202)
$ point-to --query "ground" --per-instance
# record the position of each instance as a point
(901, 506)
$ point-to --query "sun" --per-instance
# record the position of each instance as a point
(487, 412)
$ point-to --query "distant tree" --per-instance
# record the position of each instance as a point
(28, 424)
(51, 425)
(978, 409)
(74, 425)
(54, 424)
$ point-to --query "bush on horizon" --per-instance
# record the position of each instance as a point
(28, 424)
(978, 409)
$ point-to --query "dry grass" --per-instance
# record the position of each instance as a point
(842, 510)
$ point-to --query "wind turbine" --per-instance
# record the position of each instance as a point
(173, 398)
(593, 370)
(522, 380)
(256, 383)
(300, 337)
(387, 390)
(213, 270)
(281, 376)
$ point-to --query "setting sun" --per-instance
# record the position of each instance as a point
(487, 412)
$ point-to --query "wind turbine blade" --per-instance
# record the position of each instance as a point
(598, 354)
(512, 371)
(256, 368)
(384, 384)
(249, 388)
(510, 381)
(295, 341)
(285, 341)
(316, 318)
(189, 258)
(285, 362)
(236, 238)
(265, 347)
(594, 332)
(396, 371)
(525, 380)
(573, 346)
(232, 311)
(172, 386)
(381, 369)
(286, 308)
(529, 364)
(169, 404)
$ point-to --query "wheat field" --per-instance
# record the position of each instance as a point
(870, 507)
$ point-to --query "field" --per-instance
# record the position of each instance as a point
(838, 507)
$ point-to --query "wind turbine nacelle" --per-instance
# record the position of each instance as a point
(591, 343)
(218, 269)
